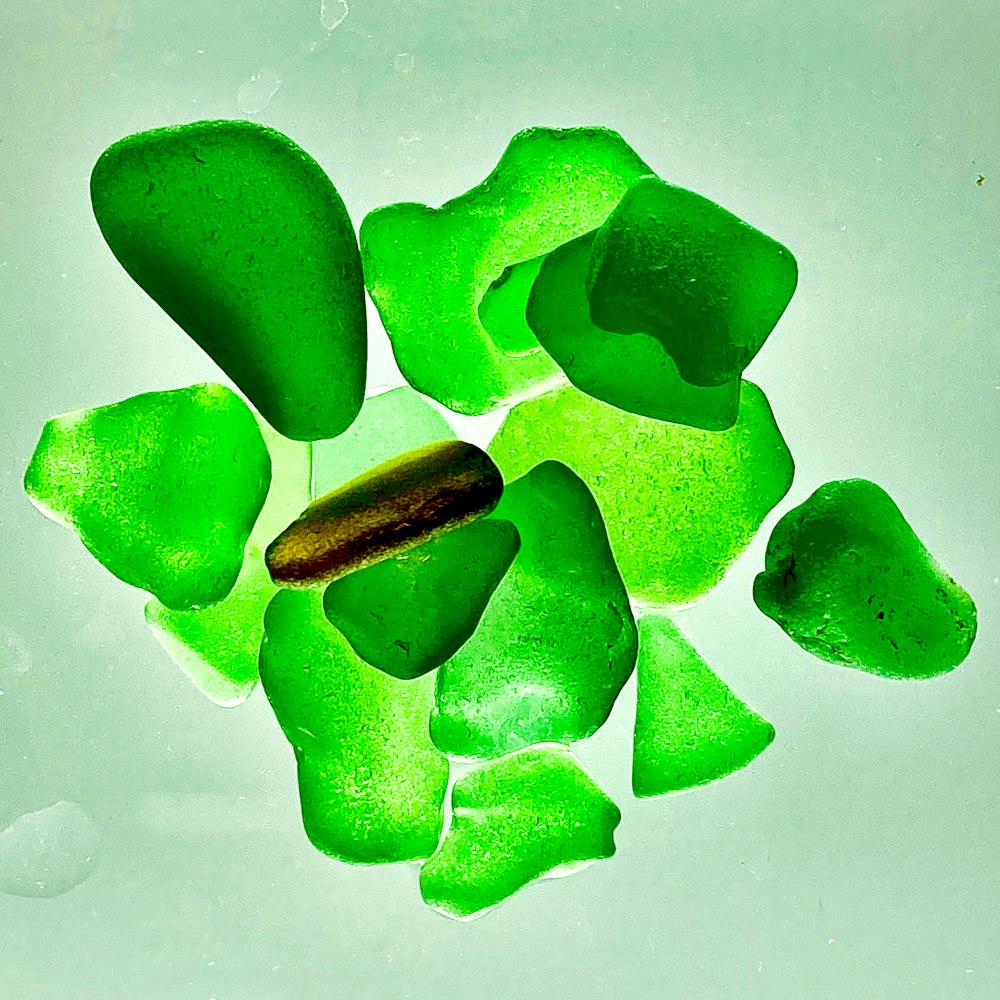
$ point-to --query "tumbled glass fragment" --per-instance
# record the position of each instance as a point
(388, 425)
(242, 239)
(848, 580)
(217, 646)
(427, 269)
(46, 853)
(387, 510)
(689, 726)
(408, 614)
(680, 503)
(630, 371)
(371, 783)
(557, 641)
(515, 820)
(163, 488)
(672, 264)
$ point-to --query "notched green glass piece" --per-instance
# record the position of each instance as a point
(163, 488)
(371, 783)
(672, 264)
(680, 503)
(689, 726)
(408, 614)
(387, 425)
(557, 641)
(217, 647)
(428, 268)
(630, 371)
(848, 580)
(242, 239)
(532, 814)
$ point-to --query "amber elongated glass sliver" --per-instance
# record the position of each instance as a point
(384, 512)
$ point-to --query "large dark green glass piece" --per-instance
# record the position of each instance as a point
(630, 371)
(848, 580)
(689, 726)
(428, 268)
(515, 820)
(557, 641)
(680, 503)
(163, 488)
(371, 784)
(672, 264)
(408, 614)
(243, 240)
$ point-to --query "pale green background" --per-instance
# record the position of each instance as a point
(858, 858)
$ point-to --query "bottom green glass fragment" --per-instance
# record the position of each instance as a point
(517, 819)
(371, 784)
(689, 726)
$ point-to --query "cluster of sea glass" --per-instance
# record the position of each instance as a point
(406, 598)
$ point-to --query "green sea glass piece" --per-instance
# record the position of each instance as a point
(680, 503)
(408, 614)
(371, 784)
(630, 371)
(848, 580)
(689, 726)
(502, 310)
(532, 814)
(241, 238)
(427, 269)
(163, 488)
(557, 641)
(217, 647)
(672, 264)
(388, 425)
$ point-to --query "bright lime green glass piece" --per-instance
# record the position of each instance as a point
(674, 265)
(630, 371)
(515, 820)
(849, 581)
(217, 647)
(163, 488)
(428, 268)
(371, 784)
(502, 310)
(680, 503)
(408, 614)
(689, 726)
(241, 238)
(557, 641)
(388, 425)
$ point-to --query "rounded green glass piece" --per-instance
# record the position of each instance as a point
(408, 614)
(557, 641)
(428, 268)
(371, 784)
(680, 503)
(672, 264)
(163, 488)
(689, 726)
(848, 580)
(502, 310)
(242, 239)
(630, 371)
(515, 820)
